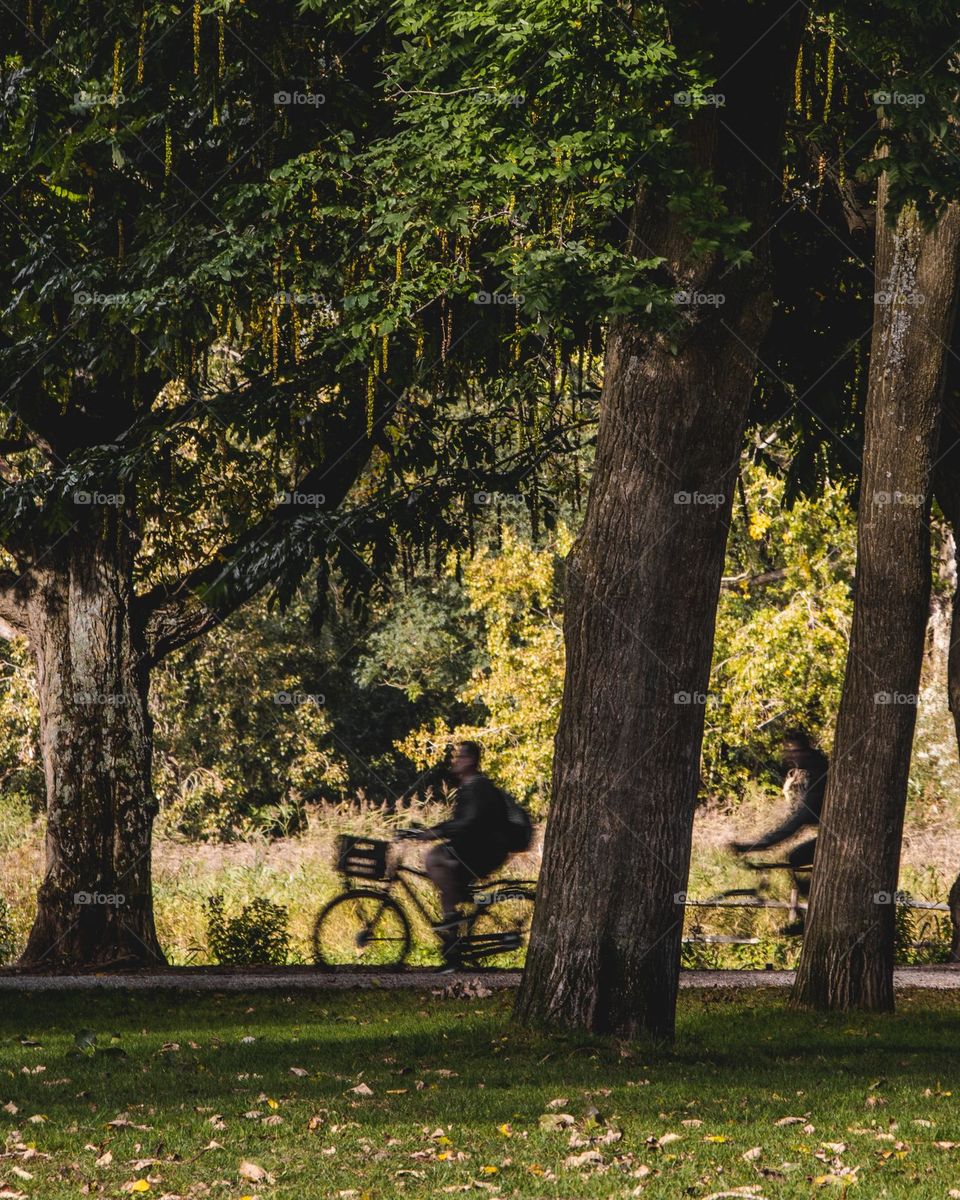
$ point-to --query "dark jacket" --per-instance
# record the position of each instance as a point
(809, 807)
(477, 829)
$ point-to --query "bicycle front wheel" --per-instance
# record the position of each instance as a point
(497, 937)
(364, 928)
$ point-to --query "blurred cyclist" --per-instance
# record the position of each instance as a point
(805, 769)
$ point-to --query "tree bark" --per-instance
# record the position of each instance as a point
(644, 577)
(848, 952)
(94, 906)
(947, 491)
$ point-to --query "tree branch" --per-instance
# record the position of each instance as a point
(175, 614)
(14, 591)
(733, 582)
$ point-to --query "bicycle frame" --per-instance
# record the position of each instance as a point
(482, 893)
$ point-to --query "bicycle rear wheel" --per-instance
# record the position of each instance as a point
(362, 927)
(498, 935)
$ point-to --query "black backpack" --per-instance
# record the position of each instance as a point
(519, 827)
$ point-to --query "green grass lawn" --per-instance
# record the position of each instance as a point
(398, 1094)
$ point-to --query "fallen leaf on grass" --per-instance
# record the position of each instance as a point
(589, 1158)
(360, 1090)
(552, 1122)
(664, 1140)
(253, 1172)
(559, 1102)
(122, 1121)
(752, 1154)
(752, 1190)
(790, 1121)
(105, 1159)
(842, 1177)
(299, 1072)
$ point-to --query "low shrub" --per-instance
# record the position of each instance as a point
(258, 935)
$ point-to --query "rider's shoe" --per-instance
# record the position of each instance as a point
(449, 923)
(449, 968)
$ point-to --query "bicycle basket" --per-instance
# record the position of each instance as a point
(361, 858)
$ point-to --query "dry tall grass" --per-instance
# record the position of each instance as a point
(299, 871)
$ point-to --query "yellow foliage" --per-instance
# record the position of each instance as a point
(521, 683)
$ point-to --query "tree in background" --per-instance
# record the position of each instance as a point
(643, 578)
(207, 351)
(514, 593)
(848, 952)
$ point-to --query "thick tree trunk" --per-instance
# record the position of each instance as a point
(644, 577)
(848, 951)
(95, 903)
(947, 490)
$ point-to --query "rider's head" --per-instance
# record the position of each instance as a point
(466, 759)
(796, 739)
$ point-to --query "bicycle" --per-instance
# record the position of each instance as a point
(368, 926)
(760, 896)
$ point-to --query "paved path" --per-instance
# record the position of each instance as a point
(213, 979)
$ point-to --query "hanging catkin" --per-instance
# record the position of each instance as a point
(831, 57)
(221, 34)
(137, 359)
(141, 43)
(119, 240)
(196, 37)
(798, 82)
(295, 323)
(371, 392)
(117, 46)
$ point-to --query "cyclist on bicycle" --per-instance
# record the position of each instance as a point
(805, 769)
(474, 843)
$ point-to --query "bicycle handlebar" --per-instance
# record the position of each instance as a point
(412, 835)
